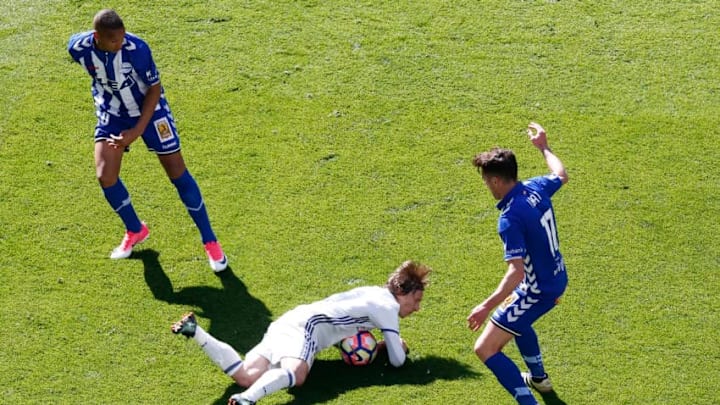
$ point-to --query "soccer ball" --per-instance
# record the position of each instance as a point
(358, 349)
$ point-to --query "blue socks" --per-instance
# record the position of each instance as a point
(191, 197)
(529, 348)
(509, 377)
(119, 199)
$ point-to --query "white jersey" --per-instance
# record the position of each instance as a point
(326, 322)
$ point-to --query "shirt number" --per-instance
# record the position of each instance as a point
(548, 222)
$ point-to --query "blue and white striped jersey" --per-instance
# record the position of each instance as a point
(119, 80)
(527, 229)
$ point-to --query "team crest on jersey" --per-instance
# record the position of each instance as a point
(126, 68)
(163, 129)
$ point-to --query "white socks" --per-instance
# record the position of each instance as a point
(229, 361)
(273, 380)
(219, 352)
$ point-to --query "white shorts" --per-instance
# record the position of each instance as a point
(285, 339)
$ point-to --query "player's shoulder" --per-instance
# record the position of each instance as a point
(80, 42)
(368, 291)
(134, 43)
(384, 298)
(541, 182)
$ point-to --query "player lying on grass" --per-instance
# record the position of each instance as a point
(286, 353)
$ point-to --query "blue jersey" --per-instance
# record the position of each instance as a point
(528, 231)
(119, 80)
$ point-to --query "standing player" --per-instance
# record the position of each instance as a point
(130, 103)
(536, 276)
(286, 353)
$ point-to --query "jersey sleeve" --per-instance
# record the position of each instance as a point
(79, 44)
(510, 231)
(387, 319)
(142, 61)
(548, 184)
(395, 350)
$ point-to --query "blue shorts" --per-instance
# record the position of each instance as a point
(521, 309)
(160, 136)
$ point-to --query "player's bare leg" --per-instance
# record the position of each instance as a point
(108, 160)
(252, 368)
(488, 348)
(292, 372)
(221, 353)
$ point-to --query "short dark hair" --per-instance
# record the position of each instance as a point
(497, 162)
(106, 20)
(408, 278)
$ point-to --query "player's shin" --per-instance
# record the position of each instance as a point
(119, 199)
(509, 377)
(189, 192)
(221, 353)
(529, 348)
(272, 381)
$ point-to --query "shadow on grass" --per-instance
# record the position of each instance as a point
(240, 320)
(551, 398)
(235, 316)
(329, 379)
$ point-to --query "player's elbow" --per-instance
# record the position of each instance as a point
(563, 176)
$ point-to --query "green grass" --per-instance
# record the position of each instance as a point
(342, 148)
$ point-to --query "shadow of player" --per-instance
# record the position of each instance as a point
(239, 319)
(551, 398)
(235, 316)
(329, 379)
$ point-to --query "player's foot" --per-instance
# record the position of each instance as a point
(130, 239)
(216, 257)
(185, 326)
(238, 399)
(542, 384)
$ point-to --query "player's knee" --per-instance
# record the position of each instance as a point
(245, 380)
(300, 379)
(105, 179)
(484, 351)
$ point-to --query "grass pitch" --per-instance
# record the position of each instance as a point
(332, 141)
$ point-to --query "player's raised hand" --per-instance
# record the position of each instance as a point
(537, 135)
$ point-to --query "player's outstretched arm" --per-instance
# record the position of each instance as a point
(396, 348)
(539, 138)
(381, 346)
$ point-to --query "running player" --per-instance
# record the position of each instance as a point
(536, 275)
(130, 103)
(286, 353)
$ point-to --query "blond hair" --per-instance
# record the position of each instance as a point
(408, 278)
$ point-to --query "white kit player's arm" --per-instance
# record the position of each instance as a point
(395, 347)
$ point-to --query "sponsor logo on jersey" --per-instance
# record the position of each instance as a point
(115, 85)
